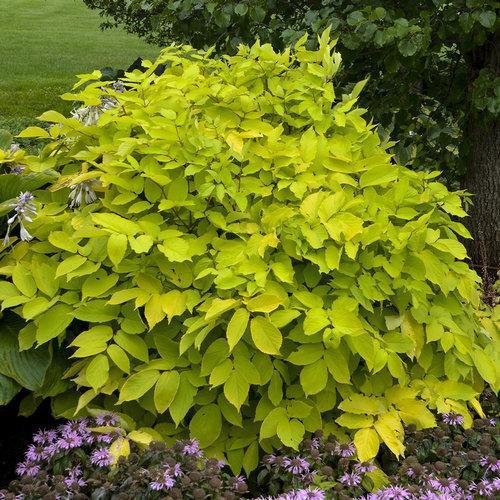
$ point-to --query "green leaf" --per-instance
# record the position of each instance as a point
(27, 368)
(306, 354)
(236, 327)
(166, 389)
(338, 367)
(313, 377)
(290, 432)
(116, 223)
(117, 247)
(236, 389)
(381, 174)
(484, 366)
(9, 388)
(266, 336)
(97, 371)
(183, 399)
(133, 344)
(53, 322)
(206, 425)
(119, 357)
(137, 385)
(487, 18)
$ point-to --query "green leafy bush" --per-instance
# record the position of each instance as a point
(230, 249)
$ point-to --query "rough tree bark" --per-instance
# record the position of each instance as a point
(483, 173)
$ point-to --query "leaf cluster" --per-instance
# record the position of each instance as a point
(255, 266)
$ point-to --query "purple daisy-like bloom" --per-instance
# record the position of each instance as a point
(175, 471)
(27, 469)
(315, 444)
(444, 485)
(453, 419)
(50, 450)
(345, 450)
(270, 459)
(192, 447)
(297, 465)
(35, 453)
(431, 495)
(492, 422)
(485, 488)
(315, 494)
(105, 438)
(70, 441)
(44, 437)
(350, 479)
(106, 419)
(165, 483)
(74, 478)
(391, 493)
(238, 481)
(363, 468)
(101, 457)
(118, 86)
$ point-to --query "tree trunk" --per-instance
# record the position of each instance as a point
(483, 173)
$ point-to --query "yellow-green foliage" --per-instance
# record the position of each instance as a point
(255, 267)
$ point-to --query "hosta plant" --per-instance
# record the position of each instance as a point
(230, 254)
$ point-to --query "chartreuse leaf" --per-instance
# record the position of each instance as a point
(367, 443)
(97, 371)
(165, 390)
(236, 327)
(138, 384)
(117, 247)
(266, 336)
(206, 425)
(236, 389)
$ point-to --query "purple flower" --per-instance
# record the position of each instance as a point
(444, 485)
(45, 437)
(118, 86)
(24, 210)
(192, 447)
(363, 468)
(106, 419)
(175, 471)
(345, 450)
(82, 192)
(165, 483)
(390, 493)
(453, 419)
(296, 465)
(485, 488)
(27, 469)
(493, 422)
(105, 438)
(35, 453)
(491, 464)
(70, 441)
(315, 494)
(101, 457)
(270, 459)
(14, 147)
(74, 478)
(315, 444)
(238, 481)
(16, 169)
(350, 479)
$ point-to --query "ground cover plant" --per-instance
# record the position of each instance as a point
(76, 460)
(230, 254)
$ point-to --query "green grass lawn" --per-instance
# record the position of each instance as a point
(43, 45)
